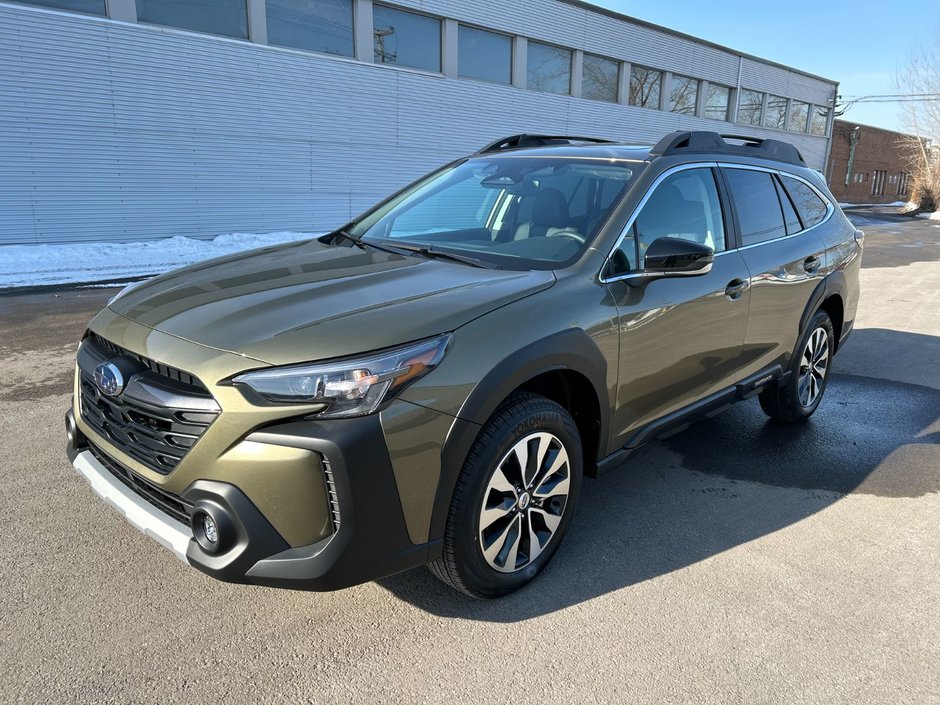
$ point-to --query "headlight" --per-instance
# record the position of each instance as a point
(353, 387)
(127, 289)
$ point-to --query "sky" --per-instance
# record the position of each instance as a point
(859, 44)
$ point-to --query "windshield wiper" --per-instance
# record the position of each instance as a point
(346, 236)
(431, 253)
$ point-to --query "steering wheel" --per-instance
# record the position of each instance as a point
(571, 234)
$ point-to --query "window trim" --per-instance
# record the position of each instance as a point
(407, 10)
(662, 88)
(737, 244)
(481, 28)
(571, 52)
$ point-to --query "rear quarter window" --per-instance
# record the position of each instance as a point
(756, 203)
(811, 207)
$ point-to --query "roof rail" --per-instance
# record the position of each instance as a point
(711, 142)
(524, 140)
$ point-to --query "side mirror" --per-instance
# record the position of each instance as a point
(675, 257)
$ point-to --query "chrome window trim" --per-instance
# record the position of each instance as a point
(830, 209)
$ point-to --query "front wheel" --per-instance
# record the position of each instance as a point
(799, 398)
(514, 498)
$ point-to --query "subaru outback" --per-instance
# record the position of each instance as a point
(430, 383)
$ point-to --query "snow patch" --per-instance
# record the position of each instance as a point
(104, 262)
(929, 216)
(896, 204)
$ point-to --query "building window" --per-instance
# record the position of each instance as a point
(549, 68)
(878, 182)
(799, 115)
(226, 17)
(92, 7)
(599, 78)
(485, 56)
(683, 95)
(717, 101)
(820, 121)
(315, 25)
(406, 38)
(645, 87)
(750, 107)
(776, 115)
(902, 183)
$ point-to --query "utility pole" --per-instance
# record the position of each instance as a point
(384, 57)
(854, 137)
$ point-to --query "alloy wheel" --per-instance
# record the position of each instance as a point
(814, 366)
(524, 502)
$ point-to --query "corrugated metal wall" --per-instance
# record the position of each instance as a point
(114, 131)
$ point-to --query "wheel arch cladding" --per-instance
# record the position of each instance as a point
(828, 296)
(567, 367)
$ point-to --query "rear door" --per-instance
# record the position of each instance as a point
(784, 257)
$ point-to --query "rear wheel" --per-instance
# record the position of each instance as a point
(799, 398)
(513, 500)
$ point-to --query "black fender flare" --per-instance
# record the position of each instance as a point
(572, 349)
(833, 283)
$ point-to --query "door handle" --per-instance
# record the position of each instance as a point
(811, 264)
(736, 287)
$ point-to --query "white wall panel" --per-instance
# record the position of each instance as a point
(117, 131)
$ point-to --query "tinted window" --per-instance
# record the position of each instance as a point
(226, 17)
(406, 39)
(750, 107)
(599, 81)
(758, 208)
(790, 218)
(820, 120)
(683, 95)
(685, 205)
(94, 7)
(776, 112)
(483, 55)
(645, 85)
(315, 25)
(799, 115)
(549, 68)
(810, 206)
(717, 100)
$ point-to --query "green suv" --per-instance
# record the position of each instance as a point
(430, 383)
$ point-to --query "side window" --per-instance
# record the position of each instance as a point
(758, 208)
(790, 218)
(810, 206)
(685, 205)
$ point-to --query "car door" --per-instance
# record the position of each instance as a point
(680, 338)
(784, 257)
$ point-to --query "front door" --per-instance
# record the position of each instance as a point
(680, 338)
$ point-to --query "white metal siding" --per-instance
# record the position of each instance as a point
(115, 131)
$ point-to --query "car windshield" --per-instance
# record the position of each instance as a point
(512, 211)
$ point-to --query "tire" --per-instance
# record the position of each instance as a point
(799, 398)
(509, 514)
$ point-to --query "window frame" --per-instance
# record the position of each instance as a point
(408, 11)
(729, 213)
(660, 90)
(280, 45)
(528, 87)
(478, 28)
(674, 80)
(619, 66)
(760, 114)
(236, 37)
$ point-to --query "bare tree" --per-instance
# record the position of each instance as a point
(921, 118)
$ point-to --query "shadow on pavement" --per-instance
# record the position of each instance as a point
(723, 482)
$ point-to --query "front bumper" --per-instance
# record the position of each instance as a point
(370, 539)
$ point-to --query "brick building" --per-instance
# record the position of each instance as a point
(874, 171)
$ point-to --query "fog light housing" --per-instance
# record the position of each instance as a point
(212, 529)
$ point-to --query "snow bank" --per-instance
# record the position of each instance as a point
(895, 204)
(929, 216)
(100, 262)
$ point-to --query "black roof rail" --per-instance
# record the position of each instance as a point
(525, 140)
(712, 143)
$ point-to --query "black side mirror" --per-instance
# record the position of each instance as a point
(674, 257)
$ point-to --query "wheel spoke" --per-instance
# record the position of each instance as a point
(500, 483)
(492, 514)
(535, 546)
(551, 520)
(549, 485)
(521, 451)
(492, 551)
(803, 389)
(513, 556)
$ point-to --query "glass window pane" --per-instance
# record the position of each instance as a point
(717, 100)
(790, 218)
(776, 112)
(225, 17)
(645, 85)
(549, 69)
(683, 95)
(755, 200)
(799, 114)
(314, 25)
(92, 7)
(749, 107)
(406, 39)
(483, 55)
(811, 207)
(599, 78)
(820, 119)
(684, 206)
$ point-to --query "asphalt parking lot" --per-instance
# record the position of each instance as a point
(737, 562)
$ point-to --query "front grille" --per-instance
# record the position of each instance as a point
(175, 506)
(158, 368)
(331, 495)
(156, 419)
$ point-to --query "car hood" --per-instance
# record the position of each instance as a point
(309, 301)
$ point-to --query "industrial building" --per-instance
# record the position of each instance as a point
(869, 164)
(142, 119)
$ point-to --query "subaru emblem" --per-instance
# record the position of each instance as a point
(109, 379)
